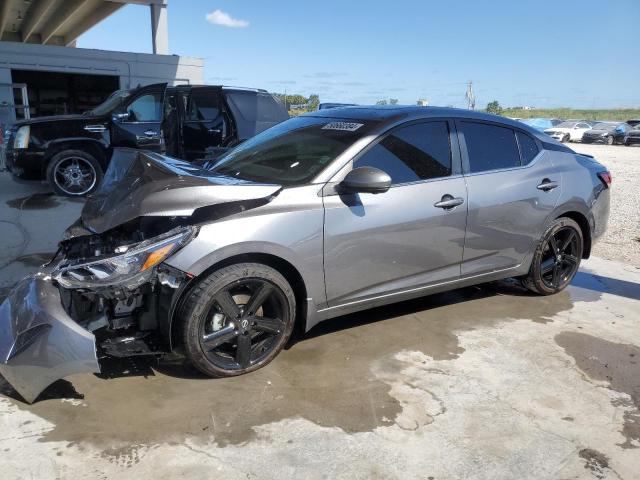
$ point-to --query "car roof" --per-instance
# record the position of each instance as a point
(396, 113)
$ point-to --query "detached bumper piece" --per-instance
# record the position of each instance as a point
(39, 342)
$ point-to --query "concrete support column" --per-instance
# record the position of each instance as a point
(159, 28)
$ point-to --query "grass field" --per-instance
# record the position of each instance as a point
(565, 113)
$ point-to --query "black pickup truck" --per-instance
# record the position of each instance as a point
(187, 122)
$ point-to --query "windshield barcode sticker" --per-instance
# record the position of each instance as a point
(346, 126)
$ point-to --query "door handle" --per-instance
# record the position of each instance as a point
(151, 133)
(547, 185)
(214, 130)
(449, 201)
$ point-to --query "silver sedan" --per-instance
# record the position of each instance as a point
(325, 214)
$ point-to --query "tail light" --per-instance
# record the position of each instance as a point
(605, 177)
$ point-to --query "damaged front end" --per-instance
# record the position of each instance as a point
(107, 291)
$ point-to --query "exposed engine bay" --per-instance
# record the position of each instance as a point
(108, 291)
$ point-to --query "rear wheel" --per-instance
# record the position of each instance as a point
(237, 319)
(556, 259)
(609, 140)
(74, 173)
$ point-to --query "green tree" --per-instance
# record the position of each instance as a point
(313, 102)
(494, 107)
(381, 102)
(393, 101)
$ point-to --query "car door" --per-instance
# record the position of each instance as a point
(139, 123)
(512, 188)
(204, 124)
(406, 238)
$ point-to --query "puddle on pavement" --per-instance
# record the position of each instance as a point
(615, 363)
(35, 259)
(324, 376)
(40, 201)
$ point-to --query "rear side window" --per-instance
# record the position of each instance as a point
(528, 147)
(490, 147)
(412, 153)
(202, 106)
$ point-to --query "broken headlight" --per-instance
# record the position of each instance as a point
(129, 267)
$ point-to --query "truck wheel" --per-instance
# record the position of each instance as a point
(237, 319)
(74, 173)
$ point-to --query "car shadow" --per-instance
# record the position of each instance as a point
(612, 286)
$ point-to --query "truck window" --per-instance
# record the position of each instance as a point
(146, 108)
(202, 105)
(254, 111)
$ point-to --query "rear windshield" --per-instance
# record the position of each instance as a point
(293, 152)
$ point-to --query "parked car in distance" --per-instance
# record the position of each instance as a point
(633, 136)
(325, 106)
(607, 132)
(73, 151)
(568, 131)
(633, 122)
(325, 214)
(541, 124)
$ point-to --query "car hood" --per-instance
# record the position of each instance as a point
(144, 184)
(57, 118)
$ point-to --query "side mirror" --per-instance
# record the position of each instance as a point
(119, 117)
(365, 180)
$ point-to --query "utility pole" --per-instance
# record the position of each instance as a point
(470, 96)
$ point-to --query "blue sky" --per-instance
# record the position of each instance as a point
(544, 53)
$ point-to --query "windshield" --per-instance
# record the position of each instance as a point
(293, 152)
(605, 126)
(567, 124)
(111, 103)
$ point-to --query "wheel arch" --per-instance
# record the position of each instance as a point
(583, 223)
(281, 265)
(93, 147)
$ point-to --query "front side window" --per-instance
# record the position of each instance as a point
(408, 154)
(293, 152)
(146, 108)
(202, 106)
(490, 147)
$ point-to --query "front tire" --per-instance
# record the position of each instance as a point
(237, 319)
(566, 138)
(609, 140)
(556, 259)
(74, 173)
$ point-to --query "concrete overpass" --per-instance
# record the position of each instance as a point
(61, 22)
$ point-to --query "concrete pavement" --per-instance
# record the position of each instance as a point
(483, 382)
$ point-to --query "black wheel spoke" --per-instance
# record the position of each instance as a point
(268, 325)
(570, 259)
(557, 271)
(547, 266)
(227, 304)
(215, 339)
(568, 240)
(257, 299)
(554, 245)
(243, 350)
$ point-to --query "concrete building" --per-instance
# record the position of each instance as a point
(42, 73)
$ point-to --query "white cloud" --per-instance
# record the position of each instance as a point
(218, 17)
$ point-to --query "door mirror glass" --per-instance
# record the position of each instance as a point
(119, 117)
(365, 180)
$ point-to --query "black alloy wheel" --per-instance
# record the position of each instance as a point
(557, 258)
(74, 173)
(238, 319)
